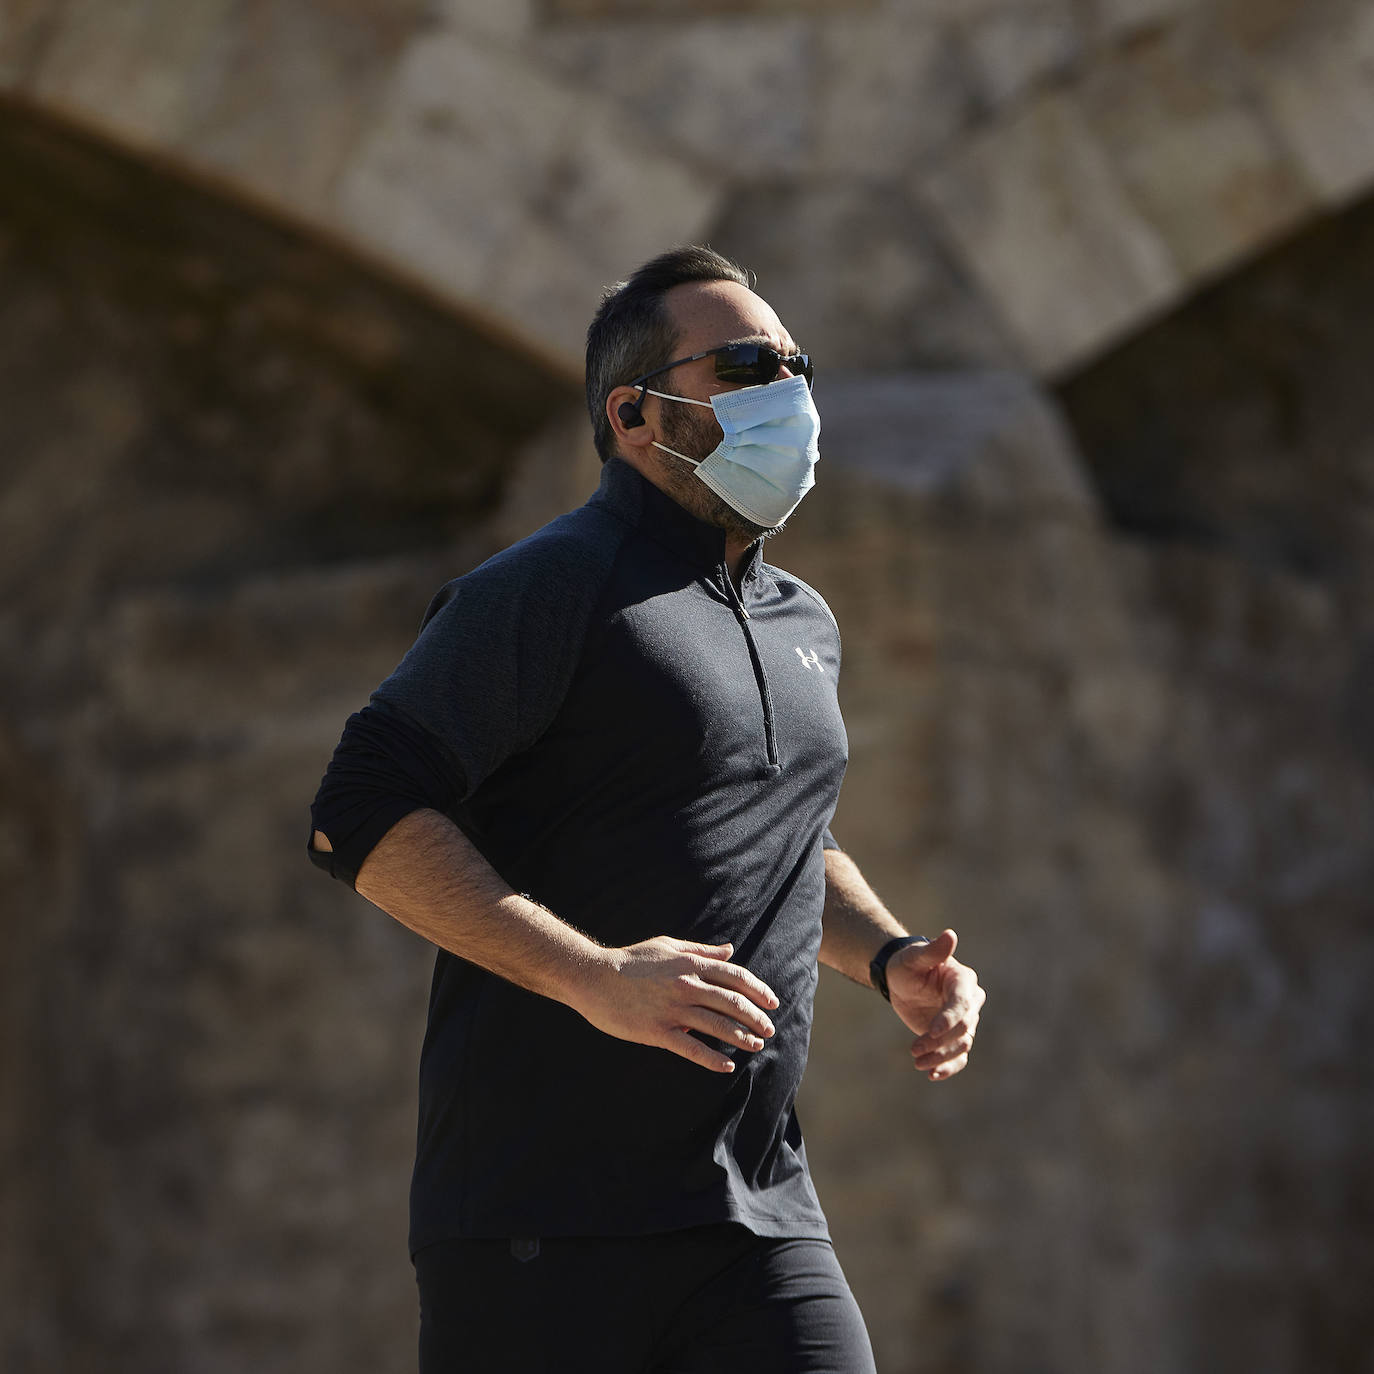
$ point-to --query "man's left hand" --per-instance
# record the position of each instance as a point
(940, 999)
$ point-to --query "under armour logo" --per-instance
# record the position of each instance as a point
(811, 660)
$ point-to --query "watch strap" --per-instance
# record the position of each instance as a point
(877, 969)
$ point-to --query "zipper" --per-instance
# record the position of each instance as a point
(760, 677)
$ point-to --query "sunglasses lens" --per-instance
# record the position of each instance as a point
(757, 365)
(749, 364)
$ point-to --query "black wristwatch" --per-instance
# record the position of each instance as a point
(877, 970)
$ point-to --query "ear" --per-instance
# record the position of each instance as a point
(631, 426)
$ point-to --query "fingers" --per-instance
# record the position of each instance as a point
(726, 1028)
(948, 1069)
(944, 1048)
(740, 979)
(689, 1047)
(935, 951)
(709, 1003)
(670, 992)
(706, 951)
(931, 1056)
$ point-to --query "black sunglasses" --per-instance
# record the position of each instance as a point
(749, 364)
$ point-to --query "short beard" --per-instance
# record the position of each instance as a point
(696, 436)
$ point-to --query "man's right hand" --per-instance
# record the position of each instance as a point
(656, 992)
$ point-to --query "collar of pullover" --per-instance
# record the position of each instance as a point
(637, 501)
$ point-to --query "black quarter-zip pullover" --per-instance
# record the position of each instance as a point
(646, 750)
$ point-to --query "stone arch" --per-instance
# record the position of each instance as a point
(430, 145)
(1089, 209)
(1052, 175)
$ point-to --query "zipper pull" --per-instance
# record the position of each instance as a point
(735, 600)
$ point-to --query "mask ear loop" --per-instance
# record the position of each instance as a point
(686, 400)
(663, 395)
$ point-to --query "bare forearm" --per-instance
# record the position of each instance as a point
(856, 924)
(428, 875)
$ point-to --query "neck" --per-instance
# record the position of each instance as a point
(736, 552)
(674, 479)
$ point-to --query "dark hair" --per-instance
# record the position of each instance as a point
(631, 333)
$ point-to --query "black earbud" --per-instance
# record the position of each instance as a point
(629, 413)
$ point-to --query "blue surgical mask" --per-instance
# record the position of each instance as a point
(765, 462)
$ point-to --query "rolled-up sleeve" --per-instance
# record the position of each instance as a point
(385, 767)
(484, 680)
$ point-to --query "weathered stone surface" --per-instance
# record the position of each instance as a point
(639, 9)
(512, 19)
(1186, 444)
(1018, 667)
(891, 91)
(1320, 93)
(1123, 18)
(1012, 49)
(340, 114)
(978, 440)
(1118, 733)
(737, 94)
(143, 67)
(553, 472)
(208, 1052)
(1050, 755)
(1182, 134)
(173, 76)
(1037, 210)
(858, 271)
(483, 165)
(25, 25)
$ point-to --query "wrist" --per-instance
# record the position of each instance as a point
(877, 968)
(589, 972)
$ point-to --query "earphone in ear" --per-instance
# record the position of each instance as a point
(629, 413)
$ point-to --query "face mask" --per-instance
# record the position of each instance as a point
(764, 464)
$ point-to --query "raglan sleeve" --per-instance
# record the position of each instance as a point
(485, 678)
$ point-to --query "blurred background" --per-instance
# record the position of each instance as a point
(292, 295)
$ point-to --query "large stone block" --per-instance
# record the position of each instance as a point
(987, 443)
(295, 88)
(738, 94)
(275, 95)
(891, 92)
(142, 70)
(640, 9)
(859, 277)
(512, 19)
(25, 26)
(518, 195)
(1183, 136)
(1013, 48)
(1319, 92)
(1121, 18)
(1036, 210)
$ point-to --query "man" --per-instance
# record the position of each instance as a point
(600, 783)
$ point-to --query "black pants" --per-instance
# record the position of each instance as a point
(701, 1301)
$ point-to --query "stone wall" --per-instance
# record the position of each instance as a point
(1107, 682)
(233, 468)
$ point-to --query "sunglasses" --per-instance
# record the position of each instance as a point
(749, 364)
